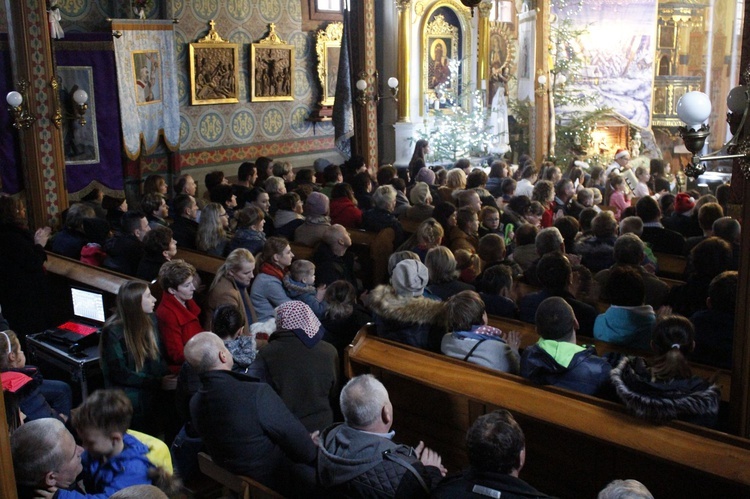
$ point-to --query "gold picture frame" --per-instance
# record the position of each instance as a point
(439, 45)
(271, 69)
(214, 70)
(328, 49)
(502, 56)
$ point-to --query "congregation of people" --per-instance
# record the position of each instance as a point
(249, 367)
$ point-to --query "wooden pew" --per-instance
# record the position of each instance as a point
(244, 487)
(575, 444)
(671, 266)
(529, 336)
(76, 271)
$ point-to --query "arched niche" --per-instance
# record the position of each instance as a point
(445, 36)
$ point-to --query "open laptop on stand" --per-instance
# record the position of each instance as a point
(82, 331)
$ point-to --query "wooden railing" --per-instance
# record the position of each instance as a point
(575, 444)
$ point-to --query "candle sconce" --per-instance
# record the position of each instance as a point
(80, 105)
(364, 95)
(19, 107)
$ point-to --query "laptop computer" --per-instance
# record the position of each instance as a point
(88, 317)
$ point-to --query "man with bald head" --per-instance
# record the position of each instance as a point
(244, 424)
(332, 259)
(359, 458)
(45, 455)
(556, 359)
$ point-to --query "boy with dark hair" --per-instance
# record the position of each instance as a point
(714, 327)
(115, 458)
(556, 359)
(495, 290)
(497, 452)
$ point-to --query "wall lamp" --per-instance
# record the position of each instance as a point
(80, 104)
(694, 109)
(18, 106)
(557, 80)
(364, 96)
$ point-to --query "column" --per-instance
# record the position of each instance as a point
(404, 51)
(483, 49)
(41, 144)
(541, 107)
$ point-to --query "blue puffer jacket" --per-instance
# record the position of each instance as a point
(102, 479)
(586, 372)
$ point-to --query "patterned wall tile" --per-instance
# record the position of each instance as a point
(270, 10)
(294, 10)
(272, 122)
(242, 126)
(211, 127)
(239, 10)
(75, 10)
(205, 9)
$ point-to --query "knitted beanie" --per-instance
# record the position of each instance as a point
(409, 278)
(425, 175)
(316, 205)
(419, 193)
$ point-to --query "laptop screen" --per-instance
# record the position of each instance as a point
(88, 304)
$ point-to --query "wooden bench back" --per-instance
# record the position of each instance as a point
(244, 487)
(529, 336)
(670, 266)
(575, 444)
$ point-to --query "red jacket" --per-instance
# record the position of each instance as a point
(177, 324)
(346, 213)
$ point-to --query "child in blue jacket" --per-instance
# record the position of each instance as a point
(113, 458)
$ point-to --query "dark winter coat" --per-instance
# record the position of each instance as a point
(586, 373)
(690, 399)
(22, 280)
(253, 434)
(508, 486)
(416, 321)
(306, 378)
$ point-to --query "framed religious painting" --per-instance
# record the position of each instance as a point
(214, 70)
(328, 49)
(146, 76)
(440, 47)
(80, 141)
(271, 69)
(501, 58)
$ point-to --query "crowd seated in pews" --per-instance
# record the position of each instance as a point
(287, 321)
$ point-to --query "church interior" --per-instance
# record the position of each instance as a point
(104, 93)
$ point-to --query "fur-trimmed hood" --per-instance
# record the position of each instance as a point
(690, 399)
(384, 301)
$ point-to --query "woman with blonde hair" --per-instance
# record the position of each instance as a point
(455, 181)
(131, 356)
(429, 235)
(231, 285)
(212, 230)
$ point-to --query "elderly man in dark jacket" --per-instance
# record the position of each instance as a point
(359, 458)
(246, 427)
(556, 359)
